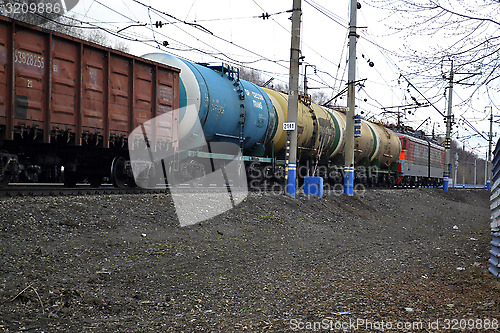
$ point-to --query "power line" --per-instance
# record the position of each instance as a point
(303, 43)
(203, 29)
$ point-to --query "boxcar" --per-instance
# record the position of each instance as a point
(67, 105)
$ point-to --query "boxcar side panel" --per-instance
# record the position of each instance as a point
(143, 94)
(4, 72)
(166, 91)
(120, 95)
(64, 84)
(93, 94)
(167, 103)
(30, 66)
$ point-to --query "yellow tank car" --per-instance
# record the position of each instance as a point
(387, 146)
(363, 145)
(280, 103)
(339, 138)
(315, 127)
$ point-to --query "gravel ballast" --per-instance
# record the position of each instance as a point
(122, 263)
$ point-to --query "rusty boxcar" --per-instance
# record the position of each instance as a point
(67, 105)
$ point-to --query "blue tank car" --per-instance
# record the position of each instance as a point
(229, 109)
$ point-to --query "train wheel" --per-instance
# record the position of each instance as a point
(4, 177)
(4, 180)
(69, 178)
(373, 181)
(9, 167)
(391, 181)
(119, 176)
(95, 181)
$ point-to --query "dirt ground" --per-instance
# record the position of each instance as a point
(390, 260)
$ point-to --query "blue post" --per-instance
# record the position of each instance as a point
(446, 181)
(349, 180)
(290, 180)
(488, 185)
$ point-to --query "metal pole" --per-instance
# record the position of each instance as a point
(486, 169)
(293, 98)
(399, 119)
(351, 111)
(475, 171)
(490, 141)
(305, 80)
(456, 170)
(447, 142)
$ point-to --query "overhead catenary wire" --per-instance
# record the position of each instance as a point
(214, 54)
(240, 57)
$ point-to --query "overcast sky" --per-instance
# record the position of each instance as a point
(232, 31)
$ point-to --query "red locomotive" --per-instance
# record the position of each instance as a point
(421, 161)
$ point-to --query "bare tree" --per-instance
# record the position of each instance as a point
(320, 97)
(32, 14)
(467, 32)
(256, 77)
(252, 75)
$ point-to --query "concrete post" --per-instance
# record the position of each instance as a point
(351, 104)
(293, 98)
(447, 142)
(490, 142)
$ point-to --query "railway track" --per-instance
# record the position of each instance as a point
(57, 189)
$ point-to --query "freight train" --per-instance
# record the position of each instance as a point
(67, 108)
(238, 111)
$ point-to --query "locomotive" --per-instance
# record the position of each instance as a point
(67, 108)
(421, 160)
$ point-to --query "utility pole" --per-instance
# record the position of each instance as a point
(490, 142)
(447, 142)
(456, 170)
(486, 169)
(399, 119)
(475, 171)
(351, 112)
(293, 98)
(449, 123)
